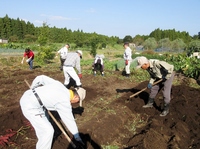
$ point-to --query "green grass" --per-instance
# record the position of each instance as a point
(109, 147)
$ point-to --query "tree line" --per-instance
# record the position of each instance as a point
(16, 30)
(19, 31)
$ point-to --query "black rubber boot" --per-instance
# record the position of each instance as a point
(149, 103)
(165, 110)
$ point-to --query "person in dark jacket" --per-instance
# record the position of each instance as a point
(98, 65)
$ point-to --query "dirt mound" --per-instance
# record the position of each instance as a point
(110, 118)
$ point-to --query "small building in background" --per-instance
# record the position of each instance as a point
(3, 41)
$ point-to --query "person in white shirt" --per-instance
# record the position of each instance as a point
(54, 96)
(63, 55)
(128, 58)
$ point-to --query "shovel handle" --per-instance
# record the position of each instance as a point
(144, 89)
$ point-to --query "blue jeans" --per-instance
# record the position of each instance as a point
(30, 64)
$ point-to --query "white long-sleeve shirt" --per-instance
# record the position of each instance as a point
(127, 54)
(54, 96)
(63, 52)
(73, 60)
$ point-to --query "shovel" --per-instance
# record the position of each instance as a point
(145, 89)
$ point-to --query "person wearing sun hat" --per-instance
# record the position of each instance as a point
(158, 70)
(73, 61)
(54, 96)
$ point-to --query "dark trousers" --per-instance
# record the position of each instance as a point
(61, 63)
(97, 67)
(166, 86)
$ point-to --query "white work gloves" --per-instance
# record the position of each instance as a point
(28, 60)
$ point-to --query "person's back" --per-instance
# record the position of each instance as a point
(72, 59)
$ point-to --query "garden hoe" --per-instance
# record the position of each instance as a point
(144, 89)
(54, 119)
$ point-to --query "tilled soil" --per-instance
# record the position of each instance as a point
(110, 118)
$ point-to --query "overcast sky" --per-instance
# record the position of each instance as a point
(108, 17)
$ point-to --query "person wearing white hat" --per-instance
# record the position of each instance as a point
(54, 96)
(158, 70)
(72, 61)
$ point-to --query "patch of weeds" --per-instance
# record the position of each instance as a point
(118, 95)
(109, 110)
(136, 122)
(109, 147)
(18, 82)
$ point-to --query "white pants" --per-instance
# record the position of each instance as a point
(127, 67)
(70, 72)
(43, 128)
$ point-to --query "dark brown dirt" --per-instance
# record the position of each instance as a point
(110, 118)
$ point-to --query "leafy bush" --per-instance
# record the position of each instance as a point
(44, 55)
(120, 64)
(188, 66)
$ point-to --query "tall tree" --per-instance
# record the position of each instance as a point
(43, 37)
(2, 29)
(128, 38)
(164, 43)
(7, 26)
(150, 44)
(178, 44)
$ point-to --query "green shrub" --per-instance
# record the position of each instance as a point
(44, 55)
(120, 64)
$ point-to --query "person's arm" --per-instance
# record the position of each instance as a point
(42, 80)
(102, 61)
(24, 55)
(151, 81)
(58, 52)
(65, 112)
(22, 60)
(78, 65)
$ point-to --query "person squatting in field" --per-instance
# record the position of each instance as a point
(63, 54)
(55, 97)
(30, 57)
(72, 60)
(128, 58)
(98, 65)
(158, 70)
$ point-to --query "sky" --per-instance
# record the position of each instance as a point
(108, 17)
